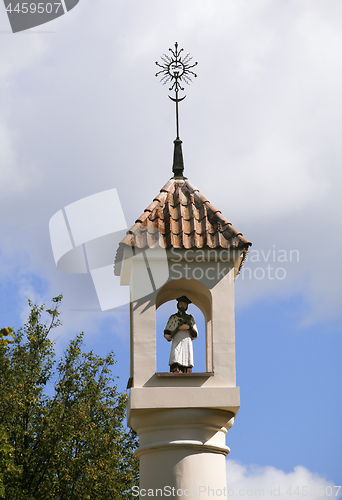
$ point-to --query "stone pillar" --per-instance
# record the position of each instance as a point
(182, 451)
(182, 419)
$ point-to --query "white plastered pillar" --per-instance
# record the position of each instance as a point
(182, 451)
(182, 421)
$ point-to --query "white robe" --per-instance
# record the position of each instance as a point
(181, 348)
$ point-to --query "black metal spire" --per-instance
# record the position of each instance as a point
(176, 69)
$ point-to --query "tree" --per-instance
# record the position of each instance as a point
(73, 444)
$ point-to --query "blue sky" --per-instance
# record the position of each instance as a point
(81, 112)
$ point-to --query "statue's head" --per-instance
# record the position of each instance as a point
(182, 303)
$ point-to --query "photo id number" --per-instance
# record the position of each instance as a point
(33, 8)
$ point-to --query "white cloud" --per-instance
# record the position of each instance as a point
(27, 291)
(18, 53)
(15, 179)
(82, 112)
(269, 483)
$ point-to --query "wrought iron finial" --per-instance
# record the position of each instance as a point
(176, 68)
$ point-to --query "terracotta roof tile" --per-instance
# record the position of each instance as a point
(134, 229)
(174, 212)
(211, 240)
(181, 217)
(199, 226)
(176, 226)
(163, 241)
(199, 212)
(166, 239)
(140, 240)
(128, 240)
(143, 217)
(222, 241)
(152, 228)
(167, 186)
(153, 205)
(162, 196)
(161, 226)
(199, 240)
(188, 226)
(152, 239)
(211, 208)
(222, 219)
(230, 232)
(199, 197)
(184, 198)
(190, 186)
(176, 240)
(187, 212)
(188, 240)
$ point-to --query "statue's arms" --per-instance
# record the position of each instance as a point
(192, 327)
(189, 324)
(171, 327)
(193, 331)
(175, 324)
(168, 335)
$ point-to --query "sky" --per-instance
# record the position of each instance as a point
(81, 112)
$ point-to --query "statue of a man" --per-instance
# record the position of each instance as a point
(181, 330)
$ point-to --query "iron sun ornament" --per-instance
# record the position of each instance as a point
(176, 68)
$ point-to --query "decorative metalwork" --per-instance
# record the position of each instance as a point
(176, 69)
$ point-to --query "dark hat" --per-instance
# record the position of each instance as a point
(185, 299)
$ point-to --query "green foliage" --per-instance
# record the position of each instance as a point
(73, 444)
(6, 332)
(7, 466)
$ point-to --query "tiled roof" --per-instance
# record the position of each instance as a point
(180, 217)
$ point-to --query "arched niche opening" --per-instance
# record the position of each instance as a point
(201, 310)
(164, 347)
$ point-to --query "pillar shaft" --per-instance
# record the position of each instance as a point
(182, 451)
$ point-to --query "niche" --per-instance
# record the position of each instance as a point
(200, 309)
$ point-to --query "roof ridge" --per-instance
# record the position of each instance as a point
(166, 187)
(190, 185)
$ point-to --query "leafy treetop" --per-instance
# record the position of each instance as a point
(69, 445)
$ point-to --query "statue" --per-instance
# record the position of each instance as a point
(181, 330)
